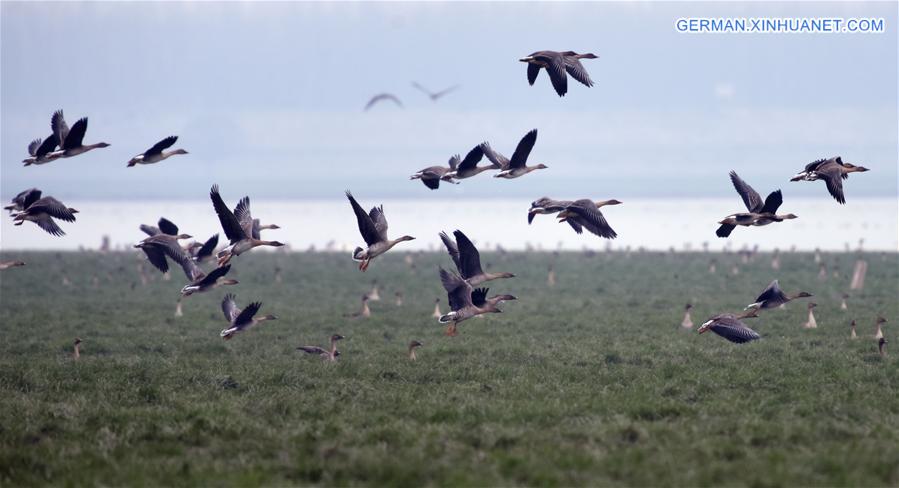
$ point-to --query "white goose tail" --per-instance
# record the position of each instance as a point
(447, 318)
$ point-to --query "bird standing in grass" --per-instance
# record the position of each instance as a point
(76, 350)
(373, 227)
(687, 323)
(364, 312)
(852, 334)
(412, 347)
(811, 323)
(879, 322)
(731, 327)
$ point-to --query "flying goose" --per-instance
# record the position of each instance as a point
(41, 152)
(157, 153)
(412, 347)
(72, 141)
(238, 319)
(41, 211)
(373, 227)
(433, 175)
(238, 227)
(546, 206)
(434, 96)
(773, 297)
(465, 302)
(382, 97)
(515, 167)
(833, 171)
(201, 252)
(468, 260)
(469, 166)
(11, 264)
(17, 204)
(759, 213)
(730, 327)
(326, 354)
(160, 242)
(557, 64)
(585, 214)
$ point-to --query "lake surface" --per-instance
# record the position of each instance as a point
(655, 224)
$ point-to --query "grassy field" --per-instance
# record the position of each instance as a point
(588, 382)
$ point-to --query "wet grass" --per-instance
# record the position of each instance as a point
(590, 382)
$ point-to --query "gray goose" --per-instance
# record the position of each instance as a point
(199, 280)
(11, 264)
(833, 171)
(759, 213)
(160, 241)
(41, 151)
(238, 226)
(433, 175)
(18, 202)
(42, 211)
(465, 302)
(730, 327)
(773, 296)
(557, 64)
(517, 166)
(241, 320)
(72, 141)
(469, 166)
(373, 227)
(468, 260)
(330, 354)
(547, 206)
(157, 153)
(585, 214)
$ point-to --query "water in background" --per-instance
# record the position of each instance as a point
(654, 224)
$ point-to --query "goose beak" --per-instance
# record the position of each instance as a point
(797, 177)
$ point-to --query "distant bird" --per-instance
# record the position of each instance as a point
(412, 347)
(550, 276)
(882, 346)
(759, 213)
(557, 64)
(363, 313)
(811, 323)
(11, 264)
(326, 354)
(373, 227)
(468, 260)
(852, 335)
(76, 350)
(17, 204)
(465, 302)
(585, 214)
(238, 227)
(42, 211)
(241, 320)
(437, 313)
(687, 323)
(833, 171)
(157, 153)
(42, 151)
(161, 242)
(843, 305)
(517, 166)
(773, 297)
(383, 97)
(730, 327)
(469, 166)
(72, 141)
(374, 294)
(879, 322)
(398, 299)
(433, 175)
(434, 96)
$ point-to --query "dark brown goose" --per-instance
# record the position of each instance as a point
(18, 202)
(585, 214)
(517, 166)
(465, 302)
(433, 175)
(557, 64)
(833, 171)
(41, 152)
(468, 260)
(160, 241)
(412, 347)
(42, 211)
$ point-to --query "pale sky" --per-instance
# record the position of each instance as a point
(268, 98)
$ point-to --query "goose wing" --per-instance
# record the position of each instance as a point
(452, 249)
(577, 71)
(47, 146)
(523, 150)
(32, 147)
(454, 161)
(458, 290)
(312, 350)
(229, 308)
(27, 198)
(233, 231)
(533, 71)
(592, 218)
(479, 297)
(814, 165)
(468, 256)
(167, 227)
(772, 291)
(59, 127)
(149, 229)
(430, 181)
(734, 330)
(75, 137)
(245, 317)
(498, 160)
(555, 67)
(376, 214)
(173, 250)
(576, 225)
(156, 256)
(244, 216)
(213, 276)
(160, 146)
(366, 227)
(48, 224)
(52, 207)
(471, 159)
(832, 177)
(750, 197)
(208, 247)
(772, 203)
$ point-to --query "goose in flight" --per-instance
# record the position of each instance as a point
(433, 175)
(731, 327)
(557, 64)
(160, 242)
(201, 252)
(199, 281)
(373, 227)
(833, 171)
(41, 151)
(11, 264)
(515, 167)
(466, 302)
(238, 227)
(760, 213)
(773, 296)
(382, 97)
(72, 141)
(469, 166)
(585, 214)
(241, 320)
(330, 354)
(157, 153)
(42, 211)
(434, 96)
(468, 260)
(17, 204)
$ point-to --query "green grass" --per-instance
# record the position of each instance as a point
(587, 383)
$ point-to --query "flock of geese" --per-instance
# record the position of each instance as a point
(466, 297)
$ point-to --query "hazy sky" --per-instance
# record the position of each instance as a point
(268, 97)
